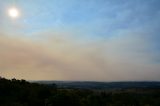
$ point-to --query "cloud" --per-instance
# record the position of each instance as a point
(60, 56)
(130, 57)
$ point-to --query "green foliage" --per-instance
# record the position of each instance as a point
(22, 93)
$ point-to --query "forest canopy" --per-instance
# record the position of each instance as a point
(22, 93)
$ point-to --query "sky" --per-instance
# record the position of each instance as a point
(80, 40)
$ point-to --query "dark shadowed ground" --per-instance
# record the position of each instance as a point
(22, 93)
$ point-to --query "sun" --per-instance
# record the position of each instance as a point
(13, 12)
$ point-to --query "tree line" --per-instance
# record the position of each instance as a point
(22, 93)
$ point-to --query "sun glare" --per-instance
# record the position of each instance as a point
(13, 12)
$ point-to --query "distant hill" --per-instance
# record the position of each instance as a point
(101, 85)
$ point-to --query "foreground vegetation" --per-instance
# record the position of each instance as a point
(22, 93)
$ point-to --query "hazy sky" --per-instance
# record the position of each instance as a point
(95, 40)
